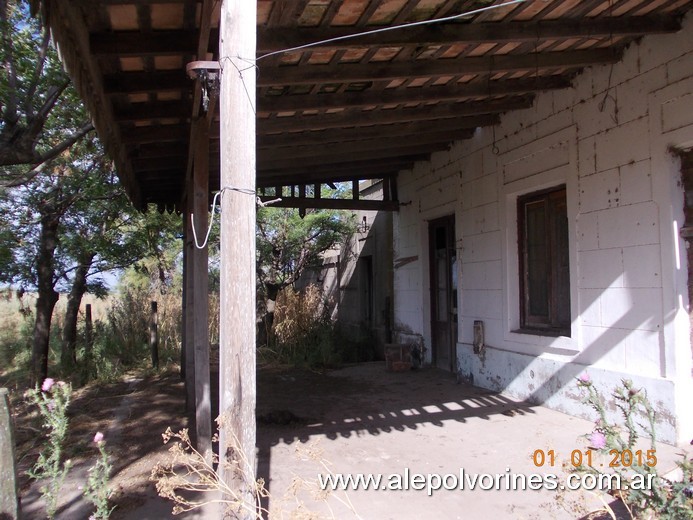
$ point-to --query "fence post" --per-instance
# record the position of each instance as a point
(154, 335)
(88, 370)
(9, 503)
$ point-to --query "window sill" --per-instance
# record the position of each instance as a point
(551, 333)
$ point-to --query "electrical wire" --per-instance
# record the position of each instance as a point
(307, 46)
(392, 28)
(217, 196)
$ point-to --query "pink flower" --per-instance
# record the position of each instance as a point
(47, 384)
(597, 440)
(98, 438)
(584, 378)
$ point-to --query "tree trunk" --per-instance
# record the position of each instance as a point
(68, 356)
(47, 296)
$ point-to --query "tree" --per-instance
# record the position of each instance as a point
(38, 120)
(101, 232)
(65, 219)
(287, 244)
(70, 223)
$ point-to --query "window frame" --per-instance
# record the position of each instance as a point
(557, 297)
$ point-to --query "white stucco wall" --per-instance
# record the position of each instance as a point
(608, 139)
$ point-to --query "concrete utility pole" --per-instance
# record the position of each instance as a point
(237, 48)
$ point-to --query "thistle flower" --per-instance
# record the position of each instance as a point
(47, 384)
(98, 438)
(584, 378)
(597, 440)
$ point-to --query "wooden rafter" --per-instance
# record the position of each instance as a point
(129, 57)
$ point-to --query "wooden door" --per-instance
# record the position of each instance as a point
(441, 233)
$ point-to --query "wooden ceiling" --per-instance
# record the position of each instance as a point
(355, 108)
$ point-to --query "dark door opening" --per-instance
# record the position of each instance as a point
(366, 290)
(443, 256)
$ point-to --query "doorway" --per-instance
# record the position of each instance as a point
(443, 262)
(366, 291)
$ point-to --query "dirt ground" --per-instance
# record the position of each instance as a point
(359, 419)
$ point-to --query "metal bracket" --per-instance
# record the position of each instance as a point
(208, 72)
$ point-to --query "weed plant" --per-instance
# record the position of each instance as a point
(665, 499)
(52, 400)
(97, 491)
(303, 333)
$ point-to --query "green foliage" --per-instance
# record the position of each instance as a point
(40, 114)
(64, 218)
(52, 400)
(157, 268)
(287, 243)
(667, 499)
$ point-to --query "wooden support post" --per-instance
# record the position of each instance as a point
(355, 189)
(302, 195)
(154, 335)
(9, 498)
(203, 407)
(184, 301)
(237, 38)
(188, 266)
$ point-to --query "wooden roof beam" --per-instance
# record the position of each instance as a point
(156, 150)
(348, 204)
(172, 161)
(412, 131)
(272, 39)
(336, 172)
(136, 43)
(171, 177)
(382, 117)
(357, 148)
(178, 42)
(384, 71)
(347, 154)
(153, 110)
(146, 82)
(450, 92)
(155, 134)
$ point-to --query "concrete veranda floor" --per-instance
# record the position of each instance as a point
(360, 419)
(363, 419)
